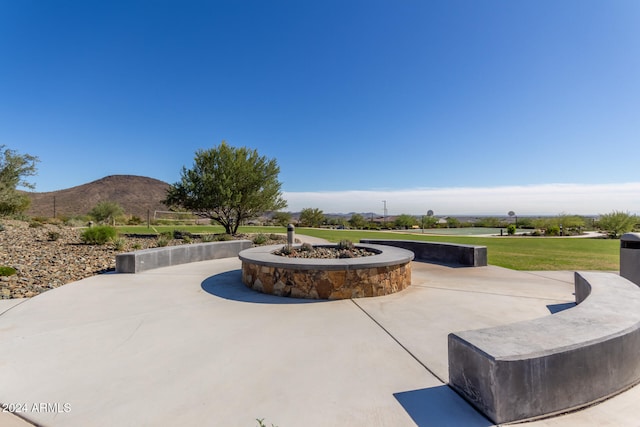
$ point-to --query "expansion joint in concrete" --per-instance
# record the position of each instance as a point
(398, 342)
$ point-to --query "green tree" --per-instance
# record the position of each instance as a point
(281, 218)
(428, 221)
(405, 221)
(453, 222)
(357, 221)
(106, 212)
(228, 185)
(617, 223)
(311, 217)
(14, 168)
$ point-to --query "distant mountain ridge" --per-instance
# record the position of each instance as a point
(136, 194)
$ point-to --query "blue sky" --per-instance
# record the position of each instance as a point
(425, 104)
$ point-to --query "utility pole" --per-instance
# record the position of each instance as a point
(384, 212)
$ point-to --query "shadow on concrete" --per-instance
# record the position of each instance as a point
(555, 308)
(229, 286)
(440, 406)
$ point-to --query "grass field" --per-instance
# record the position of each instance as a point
(518, 253)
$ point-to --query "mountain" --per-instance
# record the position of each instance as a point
(136, 194)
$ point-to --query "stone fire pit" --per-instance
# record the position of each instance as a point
(386, 272)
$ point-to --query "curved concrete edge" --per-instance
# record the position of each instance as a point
(386, 256)
(553, 364)
(148, 259)
(440, 252)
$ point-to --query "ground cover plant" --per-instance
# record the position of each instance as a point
(518, 253)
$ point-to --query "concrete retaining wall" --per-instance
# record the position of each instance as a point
(445, 253)
(148, 259)
(630, 257)
(556, 363)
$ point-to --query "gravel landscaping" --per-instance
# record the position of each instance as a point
(46, 256)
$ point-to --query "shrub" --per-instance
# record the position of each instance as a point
(260, 239)
(98, 235)
(53, 236)
(306, 247)
(207, 238)
(511, 229)
(162, 241)
(35, 224)
(180, 234)
(554, 230)
(134, 220)
(7, 271)
(167, 235)
(345, 244)
(119, 244)
(223, 237)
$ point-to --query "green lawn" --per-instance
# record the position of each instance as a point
(518, 253)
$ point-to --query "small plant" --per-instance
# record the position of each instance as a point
(260, 239)
(511, 229)
(262, 424)
(180, 234)
(35, 224)
(345, 245)
(98, 235)
(286, 250)
(136, 246)
(346, 254)
(168, 235)
(7, 271)
(53, 236)
(207, 238)
(223, 237)
(119, 244)
(162, 241)
(306, 247)
(187, 239)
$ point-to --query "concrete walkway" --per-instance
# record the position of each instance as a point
(191, 345)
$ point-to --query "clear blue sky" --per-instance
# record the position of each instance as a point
(378, 97)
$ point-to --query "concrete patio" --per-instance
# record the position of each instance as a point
(191, 345)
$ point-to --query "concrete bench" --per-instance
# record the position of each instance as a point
(148, 259)
(445, 253)
(555, 363)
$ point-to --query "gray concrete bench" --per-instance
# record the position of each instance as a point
(148, 259)
(555, 363)
(445, 253)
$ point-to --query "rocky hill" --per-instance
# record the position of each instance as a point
(136, 195)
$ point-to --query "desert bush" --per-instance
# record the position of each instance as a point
(53, 236)
(134, 220)
(223, 237)
(35, 224)
(306, 247)
(207, 238)
(7, 271)
(260, 239)
(345, 244)
(162, 241)
(554, 230)
(167, 235)
(180, 234)
(98, 235)
(119, 244)
(511, 229)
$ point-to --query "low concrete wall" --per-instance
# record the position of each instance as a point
(630, 257)
(445, 253)
(148, 259)
(555, 363)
